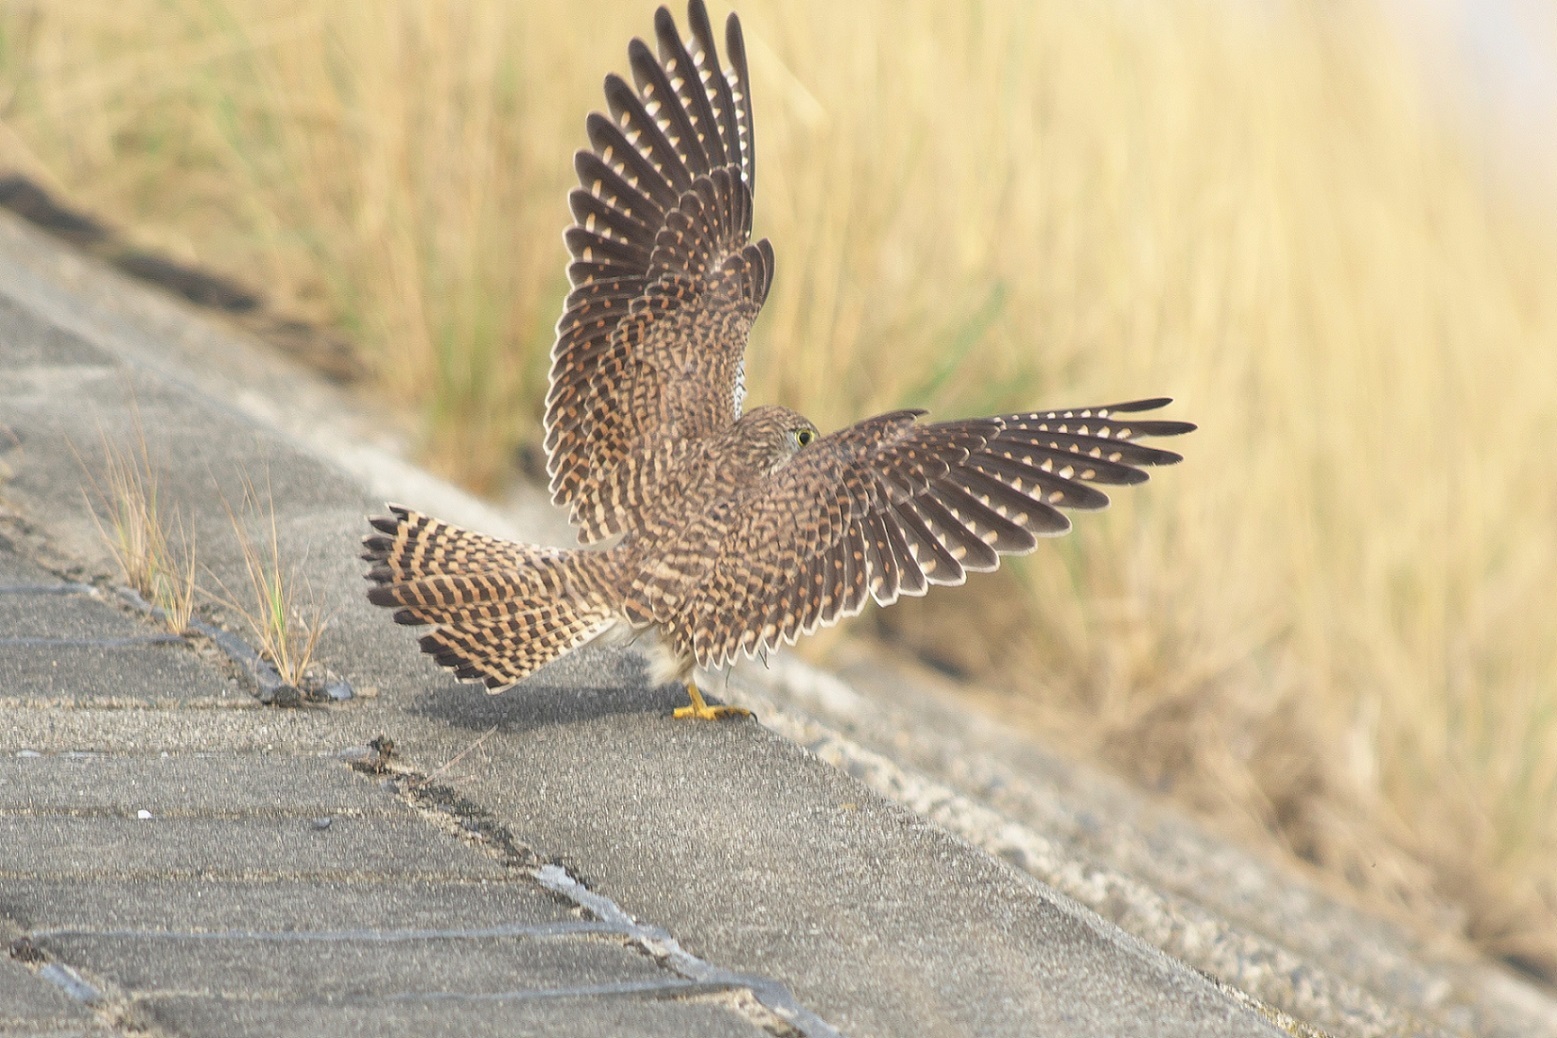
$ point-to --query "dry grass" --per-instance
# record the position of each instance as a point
(281, 610)
(156, 557)
(1332, 624)
(154, 552)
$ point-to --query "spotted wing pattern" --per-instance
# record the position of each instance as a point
(498, 610)
(665, 280)
(890, 506)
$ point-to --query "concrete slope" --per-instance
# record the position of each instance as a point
(559, 825)
(728, 868)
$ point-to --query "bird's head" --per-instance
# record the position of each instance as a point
(767, 437)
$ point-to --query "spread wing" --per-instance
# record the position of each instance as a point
(890, 506)
(665, 279)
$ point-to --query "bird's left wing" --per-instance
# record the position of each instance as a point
(666, 281)
(890, 506)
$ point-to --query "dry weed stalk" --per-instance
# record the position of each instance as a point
(283, 613)
(154, 552)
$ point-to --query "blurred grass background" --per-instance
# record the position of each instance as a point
(1332, 628)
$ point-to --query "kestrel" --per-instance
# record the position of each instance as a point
(735, 531)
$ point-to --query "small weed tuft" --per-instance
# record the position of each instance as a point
(282, 611)
(154, 552)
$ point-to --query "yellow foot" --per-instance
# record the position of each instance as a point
(703, 712)
(710, 713)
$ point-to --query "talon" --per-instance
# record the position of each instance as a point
(703, 712)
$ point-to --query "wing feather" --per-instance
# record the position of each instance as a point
(639, 164)
(667, 105)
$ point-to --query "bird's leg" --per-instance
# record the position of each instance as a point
(703, 712)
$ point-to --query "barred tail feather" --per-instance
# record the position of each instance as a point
(498, 609)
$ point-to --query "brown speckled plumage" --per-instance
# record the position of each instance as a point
(738, 531)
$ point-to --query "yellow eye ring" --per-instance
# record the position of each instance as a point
(805, 436)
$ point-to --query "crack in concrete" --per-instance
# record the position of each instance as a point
(662, 946)
(765, 1002)
(256, 667)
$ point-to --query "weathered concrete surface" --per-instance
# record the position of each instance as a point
(270, 889)
(782, 878)
(787, 881)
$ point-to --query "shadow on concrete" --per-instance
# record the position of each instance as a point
(537, 705)
(592, 683)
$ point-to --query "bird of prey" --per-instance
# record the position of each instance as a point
(731, 531)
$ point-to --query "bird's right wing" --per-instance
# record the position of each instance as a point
(890, 506)
(665, 280)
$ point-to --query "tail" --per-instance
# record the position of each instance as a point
(498, 609)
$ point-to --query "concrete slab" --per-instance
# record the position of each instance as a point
(147, 671)
(280, 905)
(18, 575)
(58, 614)
(624, 1015)
(291, 967)
(237, 848)
(180, 785)
(28, 340)
(240, 725)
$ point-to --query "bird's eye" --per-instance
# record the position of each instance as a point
(805, 436)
